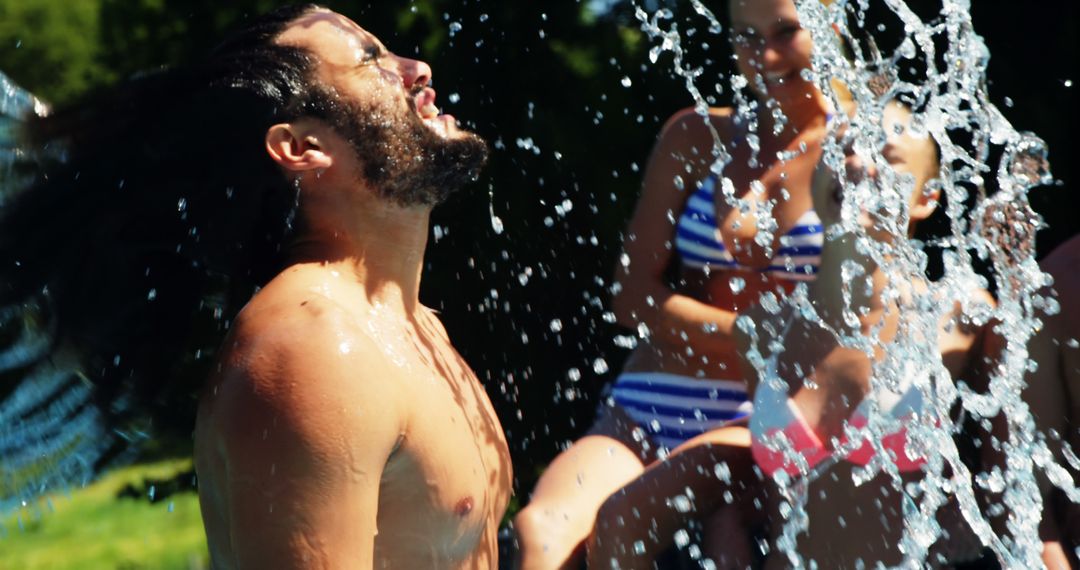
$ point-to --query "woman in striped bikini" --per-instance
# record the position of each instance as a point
(807, 389)
(684, 377)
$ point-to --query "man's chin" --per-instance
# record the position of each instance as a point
(449, 163)
(445, 126)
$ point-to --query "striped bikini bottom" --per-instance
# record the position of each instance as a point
(672, 408)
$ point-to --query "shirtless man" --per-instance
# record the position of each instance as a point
(341, 429)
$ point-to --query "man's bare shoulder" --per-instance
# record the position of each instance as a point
(289, 323)
(299, 355)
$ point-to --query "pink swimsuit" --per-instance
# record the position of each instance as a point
(775, 414)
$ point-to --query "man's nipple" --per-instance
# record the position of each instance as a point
(464, 507)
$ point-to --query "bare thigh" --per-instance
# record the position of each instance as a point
(608, 457)
(563, 505)
(709, 473)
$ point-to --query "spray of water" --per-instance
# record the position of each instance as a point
(949, 103)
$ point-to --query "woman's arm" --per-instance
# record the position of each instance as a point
(682, 151)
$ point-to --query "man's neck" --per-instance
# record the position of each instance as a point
(378, 244)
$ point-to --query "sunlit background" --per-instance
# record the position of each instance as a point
(519, 265)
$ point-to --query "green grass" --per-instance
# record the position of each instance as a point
(91, 528)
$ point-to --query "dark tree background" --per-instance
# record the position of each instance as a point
(571, 104)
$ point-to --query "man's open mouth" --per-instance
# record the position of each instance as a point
(425, 103)
(429, 113)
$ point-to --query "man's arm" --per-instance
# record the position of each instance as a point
(306, 428)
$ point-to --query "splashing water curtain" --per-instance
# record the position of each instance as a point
(950, 103)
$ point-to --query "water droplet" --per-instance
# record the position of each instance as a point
(600, 366)
(1028, 165)
(681, 503)
(626, 82)
(682, 538)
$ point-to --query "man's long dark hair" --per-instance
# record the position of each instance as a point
(151, 214)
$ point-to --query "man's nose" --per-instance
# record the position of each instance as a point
(414, 73)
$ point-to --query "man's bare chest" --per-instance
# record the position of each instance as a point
(449, 478)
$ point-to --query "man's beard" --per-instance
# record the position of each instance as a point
(403, 159)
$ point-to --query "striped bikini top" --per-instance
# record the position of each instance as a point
(698, 242)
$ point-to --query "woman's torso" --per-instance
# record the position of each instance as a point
(722, 280)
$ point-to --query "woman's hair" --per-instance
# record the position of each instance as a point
(150, 214)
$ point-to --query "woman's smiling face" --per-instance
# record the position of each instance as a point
(770, 44)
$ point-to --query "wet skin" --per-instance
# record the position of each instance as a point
(341, 428)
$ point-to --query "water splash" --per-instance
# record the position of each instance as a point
(949, 102)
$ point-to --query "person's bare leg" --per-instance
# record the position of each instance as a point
(562, 509)
(641, 520)
(728, 533)
(1053, 556)
(727, 537)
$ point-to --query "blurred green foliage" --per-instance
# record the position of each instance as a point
(54, 46)
(92, 528)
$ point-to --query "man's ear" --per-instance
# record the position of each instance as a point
(297, 148)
